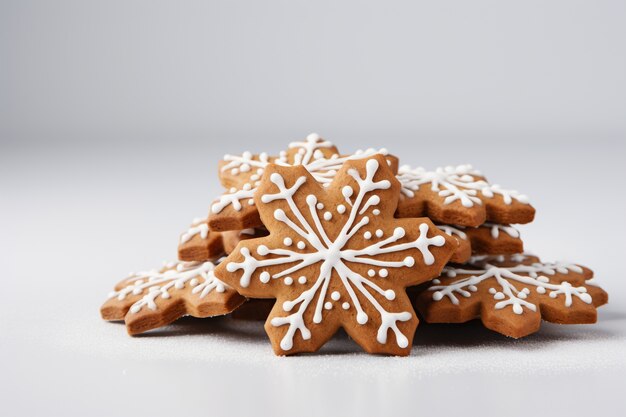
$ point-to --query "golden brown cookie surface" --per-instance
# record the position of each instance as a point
(151, 299)
(335, 257)
(511, 294)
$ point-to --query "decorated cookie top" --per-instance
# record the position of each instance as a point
(336, 257)
(151, 299)
(511, 294)
(459, 195)
(241, 175)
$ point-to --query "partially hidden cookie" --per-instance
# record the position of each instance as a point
(231, 238)
(512, 294)
(241, 175)
(336, 257)
(459, 195)
(488, 238)
(199, 243)
(151, 299)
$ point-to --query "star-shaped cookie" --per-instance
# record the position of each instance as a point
(336, 257)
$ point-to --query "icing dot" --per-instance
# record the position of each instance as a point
(347, 191)
(492, 290)
(376, 212)
(302, 280)
(251, 202)
(371, 272)
(390, 294)
(437, 295)
(247, 186)
(319, 206)
(193, 282)
(383, 273)
(233, 190)
(328, 305)
(341, 209)
(264, 277)
(379, 233)
(335, 295)
(288, 280)
(301, 245)
(345, 306)
(409, 261)
(287, 241)
(367, 235)
(361, 317)
(255, 177)
(328, 215)
(541, 290)
(234, 171)
(262, 250)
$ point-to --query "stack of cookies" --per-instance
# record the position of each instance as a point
(314, 240)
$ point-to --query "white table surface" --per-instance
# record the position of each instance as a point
(76, 219)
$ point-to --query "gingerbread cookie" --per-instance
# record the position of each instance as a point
(336, 257)
(198, 243)
(488, 238)
(151, 299)
(511, 297)
(459, 195)
(241, 175)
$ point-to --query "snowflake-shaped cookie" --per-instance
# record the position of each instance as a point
(241, 175)
(459, 195)
(336, 257)
(151, 299)
(511, 297)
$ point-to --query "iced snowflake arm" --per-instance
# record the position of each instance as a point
(144, 300)
(514, 284)
(459, 194)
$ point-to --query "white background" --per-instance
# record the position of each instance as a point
(113, 116)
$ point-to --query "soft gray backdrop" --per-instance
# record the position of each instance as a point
(113, 115)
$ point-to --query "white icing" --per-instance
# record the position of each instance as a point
(334, 256)
(509, 279)
(308, 154)
(198, 226)
(455, 184)
(452, 231)
(155, 284)
(497, 228)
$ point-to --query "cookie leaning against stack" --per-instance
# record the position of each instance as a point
(336, 239)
